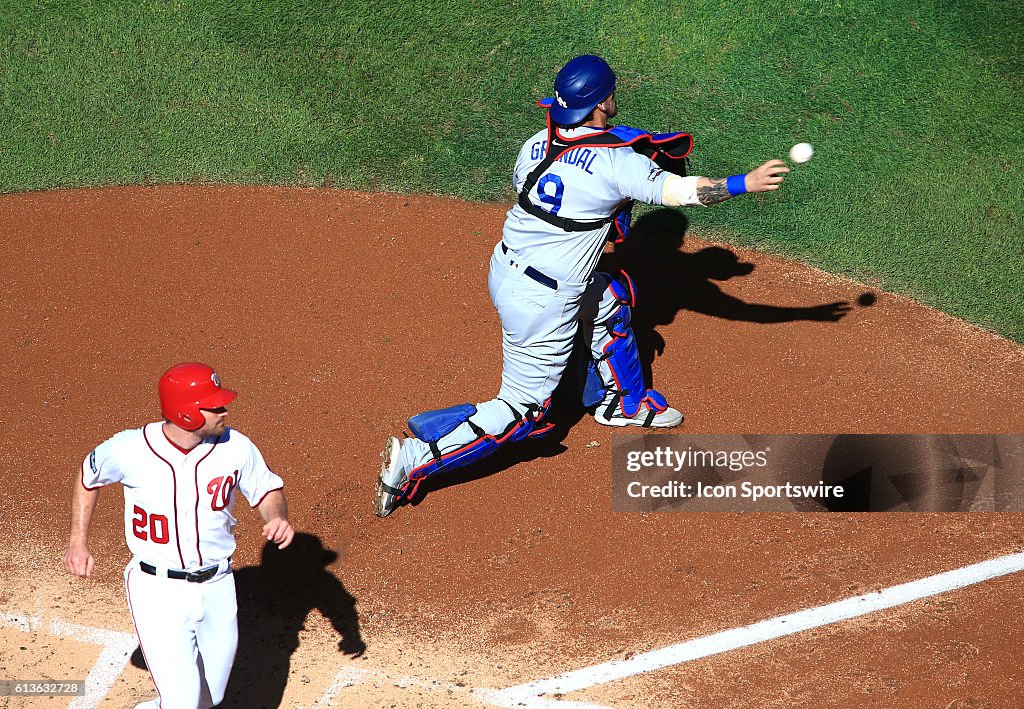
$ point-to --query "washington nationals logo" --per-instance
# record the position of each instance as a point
(220, 489)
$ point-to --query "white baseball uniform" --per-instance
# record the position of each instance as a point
(177, 519)
(539, 317)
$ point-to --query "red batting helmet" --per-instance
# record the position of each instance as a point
(187, 388)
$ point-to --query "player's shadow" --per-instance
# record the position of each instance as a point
(669, 280)
(274, 600)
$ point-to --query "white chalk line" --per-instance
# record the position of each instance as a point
(21, 622)
(345, 678)
(351, 677)
(117, 650)
(531, 694)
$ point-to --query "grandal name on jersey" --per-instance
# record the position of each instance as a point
(582, 158)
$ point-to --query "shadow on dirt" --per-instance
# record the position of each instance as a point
(669, 280)
(274, 600)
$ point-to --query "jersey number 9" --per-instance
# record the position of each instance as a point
(555, 200)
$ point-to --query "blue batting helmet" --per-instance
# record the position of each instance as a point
(581, 84)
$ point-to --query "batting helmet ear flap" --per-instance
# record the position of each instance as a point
(188, 417)
(187, 388)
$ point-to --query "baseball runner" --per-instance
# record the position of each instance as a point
(577, 180)
(179, 479)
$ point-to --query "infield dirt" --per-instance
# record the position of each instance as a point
(337, 315)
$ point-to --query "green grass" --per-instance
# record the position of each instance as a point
(915, 109)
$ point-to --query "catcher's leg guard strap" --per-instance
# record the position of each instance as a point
(393, 490)
(431, 426)
(447, 420)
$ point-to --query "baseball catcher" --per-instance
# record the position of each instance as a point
(577, 180)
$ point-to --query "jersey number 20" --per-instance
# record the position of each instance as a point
(149, 527)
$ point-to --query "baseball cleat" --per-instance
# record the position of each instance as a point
(392, 480)
(648, 418)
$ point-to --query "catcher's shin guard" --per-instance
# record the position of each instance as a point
(432, 426)
(616, 378)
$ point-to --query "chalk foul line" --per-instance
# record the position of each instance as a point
(531, 694)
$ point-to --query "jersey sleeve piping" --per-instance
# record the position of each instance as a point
(260, 501)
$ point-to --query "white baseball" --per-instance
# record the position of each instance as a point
(801, 152)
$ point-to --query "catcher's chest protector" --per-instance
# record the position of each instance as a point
(669, 151)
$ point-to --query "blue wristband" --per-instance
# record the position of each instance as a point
(736, 184)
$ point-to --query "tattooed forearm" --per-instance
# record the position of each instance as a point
(713, 193)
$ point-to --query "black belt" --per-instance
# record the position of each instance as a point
(191, 576)
(535, 274)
